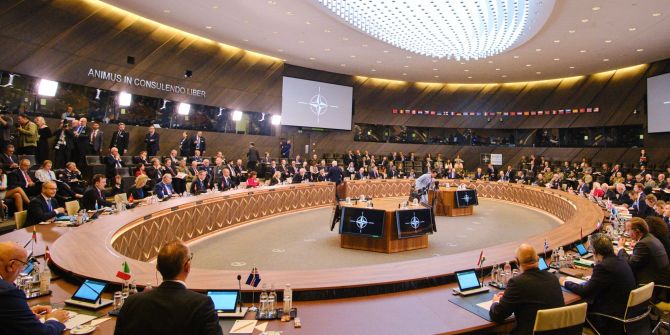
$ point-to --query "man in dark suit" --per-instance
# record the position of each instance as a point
(509, 174)
(252, 157)
(21, 178)
(372, 173)
(301, 177)
(360, 174)
(82, 145)
(72, 177)
(639, 206)
(527, 293)
(649, 260)
(185, 145)
(120, 139)
(608, 289)
(583, 187)
(217, 172)
(8, 159)
(152, 141)
(198, 143)
(16, 317)
(164, 188)
(94, 197)
(452, 174)
(226, 182)
(170, 308)
(200, 183)
(96, 139)
(621, 196)
(335, 173)
(44, 207)
(112, 162)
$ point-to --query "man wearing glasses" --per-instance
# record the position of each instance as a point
(44, 207)
(15, 315)
(170, 308)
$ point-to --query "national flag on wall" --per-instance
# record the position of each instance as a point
(34, 237)
(395, 111)
(596, 110)
(124, 273)
(482, 258)
(254, 277)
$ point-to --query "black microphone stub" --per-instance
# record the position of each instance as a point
(239, 277)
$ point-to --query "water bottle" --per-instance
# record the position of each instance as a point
(508, 270)
(288, 298)
(133, 288)
(561, 257)
(45, 280)
(494, 271)
(272, 302)
(125, 291)
(264, 304)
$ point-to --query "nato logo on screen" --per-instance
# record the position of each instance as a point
(314, 104)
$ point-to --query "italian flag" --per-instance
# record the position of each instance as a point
(124, 273)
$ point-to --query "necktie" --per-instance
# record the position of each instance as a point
(10, 158)
(79, 130)
(27, 177)
(99, 193)
(49, 205)
(93, 136)
(167, 190)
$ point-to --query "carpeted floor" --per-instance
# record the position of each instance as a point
(303, 241)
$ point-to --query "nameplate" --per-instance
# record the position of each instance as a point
(272, 190)
(226, 196)
(199, 202)
(291, 187)
(147, 217)
(250, 193)
(383, 180)
(174, 208)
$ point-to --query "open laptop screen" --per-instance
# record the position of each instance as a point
(581, 249)
(542, 264)
(89, 291)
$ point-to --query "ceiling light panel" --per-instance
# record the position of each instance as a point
(456, 29)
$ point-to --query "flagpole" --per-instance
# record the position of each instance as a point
(253, 307)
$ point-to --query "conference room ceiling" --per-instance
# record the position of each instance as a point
(579, 37)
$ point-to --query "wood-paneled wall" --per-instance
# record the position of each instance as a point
(63, 39)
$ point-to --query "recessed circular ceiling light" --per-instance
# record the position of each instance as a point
(386, 51)
(246, 40)
(608, 41)
(538, 50)
(572, 67)
(585, 20)
(166, 11)
(364, 45)
(352, 56)
(326, 49)
(379, 62)
(528, 65)
(373, 70)
(326, 30)
(490, 62)
(606, 59)
(462, 63)
(656, 14)
(557, 41)
(215, 7)
(538, 72)
(408, 57)
(504, 76)
(280, 50)
(208, 27)
(557, 59)
(632, 29)
(405, 65)
(466, 70)
(639, 50)
(596, 8)
(343, 65)
(446, 27)
(404, 74)
(572, 31)
(434, 69)
(516, 57)
(469, 77)
(312, 58)
(308, 23)
(436, 76)
(582, 51)
(497, 69)
(301, 41)
(345, 38)
(289, 13)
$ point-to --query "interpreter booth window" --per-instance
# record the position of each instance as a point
(414, 135)
(370, 133)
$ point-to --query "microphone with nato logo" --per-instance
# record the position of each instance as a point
(239, 284)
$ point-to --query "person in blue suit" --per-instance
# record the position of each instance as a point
(16, 317)
(164, 188)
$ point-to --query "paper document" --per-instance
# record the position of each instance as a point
(180, 175)
(575, 280)
(78, 320)
(99, 321)
(486, 304)
(262, 326)
(243, 327)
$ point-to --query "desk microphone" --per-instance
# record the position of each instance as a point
(239, 283)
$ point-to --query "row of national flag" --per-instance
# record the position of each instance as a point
(497, 114)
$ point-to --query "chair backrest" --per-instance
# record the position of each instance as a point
(640, 295)
(72, 207)
(20, 218)
(93, 160)
(559, 318)
(121, 197)
(123, 172)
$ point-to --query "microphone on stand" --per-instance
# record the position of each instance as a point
(239, 283)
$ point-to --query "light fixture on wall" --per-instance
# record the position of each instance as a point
(276, 120)
(220, 111)
(184, 109)
(10, 83)
(262, 117)
(237, 115)
(457, 29)
(97, 93)
(188, 74)
(47, 87)
(164, 104)
(125, 99)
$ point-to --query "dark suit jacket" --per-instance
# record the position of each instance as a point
(110, 165)
(168, 309)
(297, 179)
(38, 210)
(185, 147)
(120, 141)
(335, 174)
(607, 292)
(160, 190)
(199, 186)
(153, 143)
(194, 145)
(226, 184)
(649, 261)
(274, 181)
(6, 161)
(358, 175)
(16, 179)
(96, 144)
(137, 193)
(17, 318)
(527, 293)
(93, 196)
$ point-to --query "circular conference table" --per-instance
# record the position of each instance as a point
(96, 250)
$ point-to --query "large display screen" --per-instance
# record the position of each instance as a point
(314, 104)
(362, 221)
(658, 104)
(465, 198)
(413, 222)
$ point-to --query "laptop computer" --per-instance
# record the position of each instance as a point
(88, 295)
(542, 264)
(468, 283)
(226, 303)
(583, 253)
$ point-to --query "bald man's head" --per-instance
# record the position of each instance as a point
(526, 256)
(13, 258)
